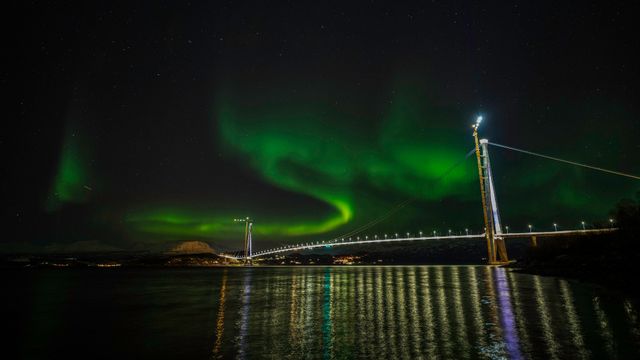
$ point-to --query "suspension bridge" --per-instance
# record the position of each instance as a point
(493, 234)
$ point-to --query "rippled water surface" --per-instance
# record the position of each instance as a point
(412, 312)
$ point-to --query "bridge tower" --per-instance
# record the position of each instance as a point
(496, 249)
(247, 251)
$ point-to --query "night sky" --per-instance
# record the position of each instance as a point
(141, 124)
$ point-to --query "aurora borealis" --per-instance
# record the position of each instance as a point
(141, 125)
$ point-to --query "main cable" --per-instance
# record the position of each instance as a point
(567, 161)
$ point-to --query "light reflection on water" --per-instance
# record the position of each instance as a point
(375, 312)
(221, 309)
(422, 312)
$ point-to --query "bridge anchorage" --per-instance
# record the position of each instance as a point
(493, 234)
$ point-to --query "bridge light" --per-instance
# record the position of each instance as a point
(366, 237)
(507, 227)
(583, 228)
(555, 226)
(375, 236)
(466, 231)
(407, 234)
(420, 232)
(396, 235)
(449, 232)
(529, 227)
(611, 222)
(385, 236)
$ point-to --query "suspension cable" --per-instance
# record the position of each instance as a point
(567, 161)
(402, 204)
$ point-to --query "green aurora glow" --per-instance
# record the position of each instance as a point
(179, 223)
(313, 150)
(72, 176)
(136, 133)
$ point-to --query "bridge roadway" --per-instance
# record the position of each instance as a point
(338, 242)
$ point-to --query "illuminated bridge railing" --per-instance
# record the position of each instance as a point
(325, 244)
(328, 244)
(559, 233)
(360, 242)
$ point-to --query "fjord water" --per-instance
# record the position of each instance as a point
(376, 312)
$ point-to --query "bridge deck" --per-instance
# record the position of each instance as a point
(559, 233)
(309, 246)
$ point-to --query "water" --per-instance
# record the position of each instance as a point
(411, 312)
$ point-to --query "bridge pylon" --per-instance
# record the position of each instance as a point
(496, 249)
(247, 247)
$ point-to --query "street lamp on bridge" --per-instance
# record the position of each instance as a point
(530, 227)
(555, 226)
(582, 222)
